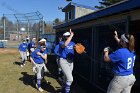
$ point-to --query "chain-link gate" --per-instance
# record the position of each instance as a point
(15, 27)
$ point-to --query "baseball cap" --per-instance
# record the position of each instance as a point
(42, 40)
(66, 34)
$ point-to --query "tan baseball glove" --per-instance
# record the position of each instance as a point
(79, 48)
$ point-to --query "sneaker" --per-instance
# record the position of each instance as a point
(24, 64)
(21, 65)
(40, 89)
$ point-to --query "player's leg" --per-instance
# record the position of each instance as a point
(39, 77)
(60, 73)
(25, 57)
(22, 58)
(131, 80)
(67, 72)
(114, 86)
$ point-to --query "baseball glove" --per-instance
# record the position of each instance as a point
(108, 49)
(79, 48)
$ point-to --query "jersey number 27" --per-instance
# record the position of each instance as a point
(130, 61)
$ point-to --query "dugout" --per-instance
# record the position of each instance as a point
(95, 31)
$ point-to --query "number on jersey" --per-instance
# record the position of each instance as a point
(129, 64)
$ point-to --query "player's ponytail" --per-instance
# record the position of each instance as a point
(131, 43)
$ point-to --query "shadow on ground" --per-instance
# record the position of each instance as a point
(16, 63)
(30, 80)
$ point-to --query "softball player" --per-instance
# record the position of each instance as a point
(43, 41)
(31, 46)
(66, 59)
(123, 60)
(22, 50)
(57, 51)
(27, 53)
(38, 57)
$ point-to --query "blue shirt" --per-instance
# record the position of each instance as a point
(123, 61)
(31, 45)
(68, 51)
(37, 58)
(48, 45)
(23, 47)
(57, 50)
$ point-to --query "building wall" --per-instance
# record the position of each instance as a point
(72, 15)
(79, 11)
(72, 9)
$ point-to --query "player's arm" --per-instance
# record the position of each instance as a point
(32, 60)
(32, 57)
(43, 56)
(106, 56)
(116, 36)
(68, 40)
(46, 59)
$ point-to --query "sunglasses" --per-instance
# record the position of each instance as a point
(43, 47)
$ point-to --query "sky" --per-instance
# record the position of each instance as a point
(48, 8)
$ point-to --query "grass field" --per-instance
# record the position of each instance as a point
(14, 79)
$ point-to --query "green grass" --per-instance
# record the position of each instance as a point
(14, 79)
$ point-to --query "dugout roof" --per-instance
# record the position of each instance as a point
(124, 6)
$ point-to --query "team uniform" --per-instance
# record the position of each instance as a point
(31, 46)
(66, 63)
(28, 52)
(57, 51)
(22, 50)
(124, 79)
(39, 62)
(49, 46)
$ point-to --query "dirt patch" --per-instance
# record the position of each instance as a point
(8, 50)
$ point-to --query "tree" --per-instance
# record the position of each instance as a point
(9, 24)
(105, 3)
(57, 21)
(49, 27)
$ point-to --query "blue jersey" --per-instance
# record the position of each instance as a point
(123, 61)
(31, 45)
(68, 51)
(37, 58)
(48, 45)
(57, 50)
(23, 47)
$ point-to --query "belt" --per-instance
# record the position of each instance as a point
(67, 58)
(39, 63)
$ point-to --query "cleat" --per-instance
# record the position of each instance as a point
(21, 65)
(40, 89)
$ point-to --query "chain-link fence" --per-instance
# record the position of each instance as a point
(15, 27)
